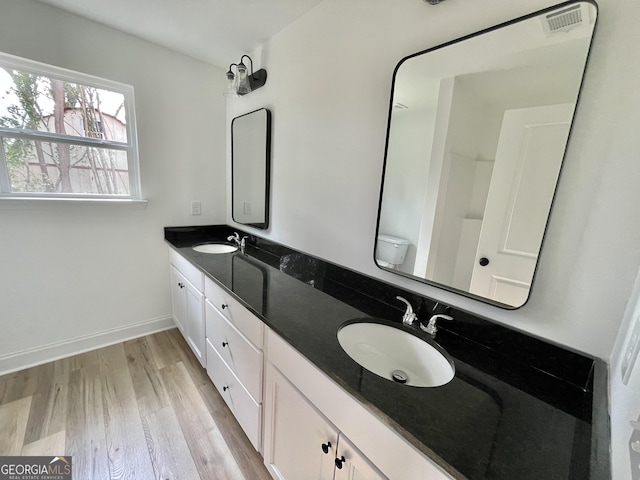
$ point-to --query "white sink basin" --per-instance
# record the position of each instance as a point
(396, 355)
(215, 248)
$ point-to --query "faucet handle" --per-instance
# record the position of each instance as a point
(402, 299)
(409, 316)
(235, 238)
(432, 328)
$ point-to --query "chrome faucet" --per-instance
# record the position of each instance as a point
(432, 328)
(240, 243)
(409, 316)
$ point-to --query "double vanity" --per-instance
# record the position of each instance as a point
(292, 343)
(335, 375)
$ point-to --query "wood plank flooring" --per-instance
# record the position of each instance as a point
(142, 409)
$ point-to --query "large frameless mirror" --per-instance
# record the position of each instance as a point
(476, 137)
(250, 167)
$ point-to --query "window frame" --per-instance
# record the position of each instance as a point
(130, 147)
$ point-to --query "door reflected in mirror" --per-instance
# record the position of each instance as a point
(250, 166)
(476, 138)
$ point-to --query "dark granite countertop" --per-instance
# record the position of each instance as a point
(518, 408)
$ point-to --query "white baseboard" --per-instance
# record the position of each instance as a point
(30, 357)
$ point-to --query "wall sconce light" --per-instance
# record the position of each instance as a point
(241, 82)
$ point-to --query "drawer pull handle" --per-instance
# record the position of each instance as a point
(225, 388)
(181, 285)
(224, 344)
(224, 305)
(340, 461)
(326, 447)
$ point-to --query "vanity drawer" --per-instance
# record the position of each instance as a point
(242, 357)
(250, 325)
(245, 409)
(191, 273)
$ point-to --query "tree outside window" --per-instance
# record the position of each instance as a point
(64, 133)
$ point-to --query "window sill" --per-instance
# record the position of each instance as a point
(48, 203)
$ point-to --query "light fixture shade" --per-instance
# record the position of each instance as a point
(231, 90)
(243, 80)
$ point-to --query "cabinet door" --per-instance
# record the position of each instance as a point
(179, 299)
(351, 464)
(296, 434)
(195, 322)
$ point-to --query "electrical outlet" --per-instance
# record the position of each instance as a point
(247, 208)
(196, 207)
(631, 351)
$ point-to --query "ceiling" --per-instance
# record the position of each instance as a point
(216, 31)
(514, 66)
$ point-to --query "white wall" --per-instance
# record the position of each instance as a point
(407, 176)
(329, 84)
(471, 122)
(100, 272)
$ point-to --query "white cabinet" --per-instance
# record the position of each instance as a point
(236, 314)
(188, 304)
(311, 425)
(234, 338)
(353, 465)
(195, 322)
(178, 299)
(300, 443)
(239, 353)
(247, 411)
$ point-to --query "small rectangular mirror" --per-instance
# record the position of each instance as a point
(475, 142)
(250, 168)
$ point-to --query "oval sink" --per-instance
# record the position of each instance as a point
(215, 248)
(395, 354)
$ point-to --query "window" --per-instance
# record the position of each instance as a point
(65, 134)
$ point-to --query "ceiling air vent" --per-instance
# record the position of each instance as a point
(565, 19)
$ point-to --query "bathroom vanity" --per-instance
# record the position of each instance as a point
(267, 321)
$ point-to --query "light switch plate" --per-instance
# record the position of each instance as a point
(196, 207)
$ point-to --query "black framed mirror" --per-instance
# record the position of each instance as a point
(476, 137)
(250, 168)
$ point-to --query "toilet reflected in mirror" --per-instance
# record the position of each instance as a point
(391, 251)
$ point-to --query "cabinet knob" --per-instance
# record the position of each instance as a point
(225, 388)
(224, 305)
(224, 344)
(340, 461)
(484, 262)
(326, 447)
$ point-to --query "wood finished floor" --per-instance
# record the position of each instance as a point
(142, 409)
